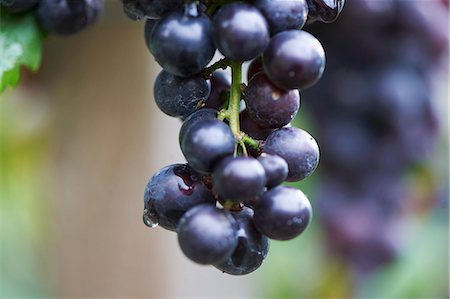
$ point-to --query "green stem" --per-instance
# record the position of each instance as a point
(220, 64)
(255, 144)
(235, 97)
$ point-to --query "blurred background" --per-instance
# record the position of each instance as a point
(80, 139)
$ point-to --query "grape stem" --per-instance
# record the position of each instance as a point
(235, 97)
(220, 64)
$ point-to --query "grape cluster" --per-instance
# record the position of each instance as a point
(61, 17)
(376, 119)
(228, 200)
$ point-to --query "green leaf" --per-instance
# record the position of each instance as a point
(20, 45)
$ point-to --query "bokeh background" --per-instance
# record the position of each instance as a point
(80, 139)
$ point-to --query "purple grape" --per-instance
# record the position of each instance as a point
(275, 167)
(240, 31)
(172, 191)
(282, 213)
(297, 148)
(206, 113)
(268, 105)
(283, 15)
(207, 235)
(178, 96)
(206, 142)
(239, 178)
(294, 59)
(182, 44)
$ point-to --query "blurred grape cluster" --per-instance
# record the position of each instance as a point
(377, 123)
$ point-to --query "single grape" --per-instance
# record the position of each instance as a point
(251, 128)
(282, 213)
(17, 6)
(239, 178)
(268, 105)
(326, 11)
(297, 148)
(240, 31)
(182, 44)
(153, 9)
(206, 142)
(220, 84)
(172, 191)
(206, 113)
(283, 15)
(275, 167)
(207, 235)
(251, 250)
(67, 17)
(178, 96)
(294, 59)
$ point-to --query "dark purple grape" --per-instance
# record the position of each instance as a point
(240, 31)
(172, 191)
(153, 9)
(297, 148)
(283, 15)
(294, 59)
(282, 213)
(207, 235)
(268, 105)
(206, 142)
(17, 6)
(220, 84)
(251, 250)
(275, 167)
(67, 17)
(182, 44)
(178, 96)
(239, 178)
(326, 11)
(251, 128)
(254, 67)
(206, 113)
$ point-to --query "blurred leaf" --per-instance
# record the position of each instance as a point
(20, 45)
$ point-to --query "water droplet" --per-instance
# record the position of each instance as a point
(149, 219)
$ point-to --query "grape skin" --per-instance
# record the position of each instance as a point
(178, 96)
(207, 235)
(283, 15)
(182, 44)
(240, 31)
(172, 191)
(268, 105)
(239, 178)
(297, 148)
(206, 142)
(282, 213)
(294, 59)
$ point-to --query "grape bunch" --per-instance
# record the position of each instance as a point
(61, 17)
(376, 122)
(227, 201)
